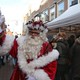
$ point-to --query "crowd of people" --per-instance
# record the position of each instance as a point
(68, 67)
(37, 58)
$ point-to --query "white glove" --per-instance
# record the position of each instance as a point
(31, 78)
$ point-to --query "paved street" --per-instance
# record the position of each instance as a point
(5, 71)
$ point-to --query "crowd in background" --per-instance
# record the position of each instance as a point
(68, 67)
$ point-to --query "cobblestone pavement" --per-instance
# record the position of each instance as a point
(6, 71)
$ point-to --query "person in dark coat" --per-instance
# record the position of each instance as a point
(71, 40)
(62, 47)
(75, 60)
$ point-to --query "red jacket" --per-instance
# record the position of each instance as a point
(49, 69)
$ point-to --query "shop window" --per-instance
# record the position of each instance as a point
(52, 13)
(60, 8)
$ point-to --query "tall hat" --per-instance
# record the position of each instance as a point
(36, 26)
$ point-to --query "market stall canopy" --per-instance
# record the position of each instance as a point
(70, 17)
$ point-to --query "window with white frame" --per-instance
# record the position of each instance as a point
(42, 17)
(72, 2)
(69, 2)
(45, 12)
(52, 13)
(36, 18)
(60, 8)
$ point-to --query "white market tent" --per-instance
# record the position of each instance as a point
(70, 17)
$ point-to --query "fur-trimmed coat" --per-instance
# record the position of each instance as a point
(42, 68)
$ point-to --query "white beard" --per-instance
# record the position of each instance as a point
(32, 47)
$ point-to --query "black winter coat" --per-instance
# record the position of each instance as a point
(62, 47)
(75, 59)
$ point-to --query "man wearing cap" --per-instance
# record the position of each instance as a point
(35, 58)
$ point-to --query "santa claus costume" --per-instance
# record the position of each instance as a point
(6, 41)
(35, 58)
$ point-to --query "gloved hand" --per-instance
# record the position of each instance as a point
(29, 77)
